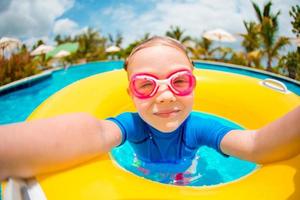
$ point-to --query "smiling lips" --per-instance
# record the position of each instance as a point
(166, 113)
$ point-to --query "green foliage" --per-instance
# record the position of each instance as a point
(295, 14)
(126, 52)
(178, 34)
(251, 43)
(202, 49)
(115, 41)
(18, 66)
(91, 45)
(251, 40)
(291, 62)
(268, 28)
(38, 43)
(61, 40)
(238, 58)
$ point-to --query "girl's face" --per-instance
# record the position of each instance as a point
(164, 111)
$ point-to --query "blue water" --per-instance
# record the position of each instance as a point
(209, 167)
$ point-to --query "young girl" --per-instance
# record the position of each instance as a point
(164, 130)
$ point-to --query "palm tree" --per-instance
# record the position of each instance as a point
(117, 41)
(202, 49)
(91, 45)
(38, 43)
(224, 53)
(126, 52)
(291, 63)
(251, 43)
(177, 33)
(268, 29)
(295, 14)
(60, 40)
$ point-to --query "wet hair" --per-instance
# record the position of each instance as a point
(157, 41)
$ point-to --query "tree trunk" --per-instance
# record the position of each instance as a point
(269, 66)
(292, 72)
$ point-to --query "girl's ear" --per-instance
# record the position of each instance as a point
(129, 92)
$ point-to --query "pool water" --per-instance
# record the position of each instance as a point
(208, 168)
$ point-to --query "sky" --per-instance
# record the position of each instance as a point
(30, 20)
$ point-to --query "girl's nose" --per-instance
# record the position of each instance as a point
(165, 94)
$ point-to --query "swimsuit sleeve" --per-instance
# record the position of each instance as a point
(129, 124)
(208, 132)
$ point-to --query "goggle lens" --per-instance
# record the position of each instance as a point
(180, 83)
(143, 86)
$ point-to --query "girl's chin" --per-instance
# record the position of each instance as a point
(168, 127)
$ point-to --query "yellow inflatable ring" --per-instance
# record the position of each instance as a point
(242, 99)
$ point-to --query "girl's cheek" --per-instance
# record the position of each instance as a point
(141, 104)
(144, 105)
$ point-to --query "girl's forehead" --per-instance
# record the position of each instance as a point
(158, 55)
(158, 60)
(158, 71)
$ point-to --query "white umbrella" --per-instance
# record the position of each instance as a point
(42, 49)
(62, 54)
(112, 49)
(219, 35)
(7, 43)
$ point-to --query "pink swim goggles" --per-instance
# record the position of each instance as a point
(145, 85)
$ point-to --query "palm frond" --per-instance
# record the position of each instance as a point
(279, 44)
(267, 8)
(257, 11)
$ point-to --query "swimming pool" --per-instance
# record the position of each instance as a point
(17, 105)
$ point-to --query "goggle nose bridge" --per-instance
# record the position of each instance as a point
(165, 82)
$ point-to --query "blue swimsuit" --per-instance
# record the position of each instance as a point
(153, 146)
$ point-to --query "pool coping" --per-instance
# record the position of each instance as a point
(26, 82)
(248, 69)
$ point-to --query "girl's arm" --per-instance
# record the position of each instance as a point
(39, 146)
(278, 140)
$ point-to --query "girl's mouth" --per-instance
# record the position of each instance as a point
(167, 113)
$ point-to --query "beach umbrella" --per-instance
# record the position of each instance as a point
(7, 43)
(58, 57)
(219, 35)
(62, 54)
(112, 49)
(42, 49)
